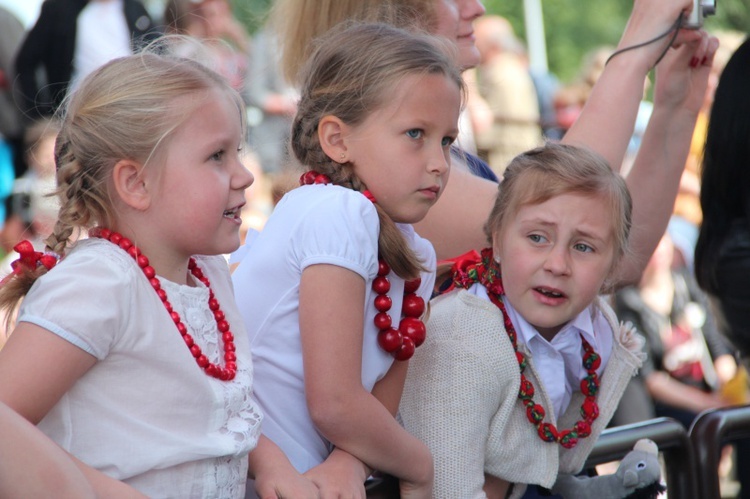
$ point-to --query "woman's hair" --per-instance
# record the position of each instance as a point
(126, 109)
(725, 179)
(541, 174)
(297, 23)
(350, 75)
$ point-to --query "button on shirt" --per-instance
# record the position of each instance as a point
(564, 354)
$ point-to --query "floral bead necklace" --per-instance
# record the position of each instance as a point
(486, 271)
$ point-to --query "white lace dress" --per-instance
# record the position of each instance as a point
(145, 413)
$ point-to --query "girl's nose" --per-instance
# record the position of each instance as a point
(558, 261)
(243, 178)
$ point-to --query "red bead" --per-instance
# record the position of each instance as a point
(381, 285)
(414, 329)
(383, 320)
(583, 429)
(390, 340)
(413, 306)
(412, 286)
(322, 178)
(383, 268)
(308, 177)
(224, 374)
(406, 350)
(383, 303)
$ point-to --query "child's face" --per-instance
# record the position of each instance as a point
(202, 181)
(402, 151)
(555, 257)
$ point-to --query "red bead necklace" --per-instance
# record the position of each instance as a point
(226, 373)
(487, 272)
(411, 331)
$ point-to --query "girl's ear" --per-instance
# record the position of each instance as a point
(130, 184)
(332, 133)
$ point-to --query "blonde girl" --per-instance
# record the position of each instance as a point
(129, 352)
(524, 364)
(333, 290)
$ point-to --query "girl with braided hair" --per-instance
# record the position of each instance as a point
(129, 351)
(334, 288)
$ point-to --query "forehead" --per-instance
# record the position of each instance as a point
(431, 94)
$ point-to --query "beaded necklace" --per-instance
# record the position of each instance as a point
(226, 373)
(486, 271)
(411, 332)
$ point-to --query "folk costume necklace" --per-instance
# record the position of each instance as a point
(486, 271)
(226, 373)
(411, 332)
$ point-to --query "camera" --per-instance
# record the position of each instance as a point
(701, 9)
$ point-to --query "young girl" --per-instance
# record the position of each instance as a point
(559, 226)
(129, 351)
(333, 289)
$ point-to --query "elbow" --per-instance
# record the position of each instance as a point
(328, 412)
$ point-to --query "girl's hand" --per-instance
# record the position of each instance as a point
(341, 475)
(423, 488)
(285, 484)
(682, 76)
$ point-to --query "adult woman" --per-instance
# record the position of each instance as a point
(722, 254)
(455, 224)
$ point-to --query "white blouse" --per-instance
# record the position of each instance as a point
(146, 413)
(316, 224)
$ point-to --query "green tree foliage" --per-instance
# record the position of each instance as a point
(575, 27)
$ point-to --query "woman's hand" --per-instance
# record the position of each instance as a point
(341, 475)
(682, 76)
(651, 18)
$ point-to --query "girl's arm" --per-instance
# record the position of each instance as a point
(37, 367)
(37, 467)
(654, 179)
(275, 476)
(341, 471)
(331, 322)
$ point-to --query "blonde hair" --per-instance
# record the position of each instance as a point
(350, 75)
(543, 173)
(298, 23)
(126, 109)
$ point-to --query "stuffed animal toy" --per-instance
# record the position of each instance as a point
(637, 477)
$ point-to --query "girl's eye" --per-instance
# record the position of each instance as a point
(217, 156)
(447, 141)
(583, 248)
(537, 238)
(414, 133)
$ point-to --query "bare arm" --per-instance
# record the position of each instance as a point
(38, 467)
(57, 365)
(655, 177)
(342, 409)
